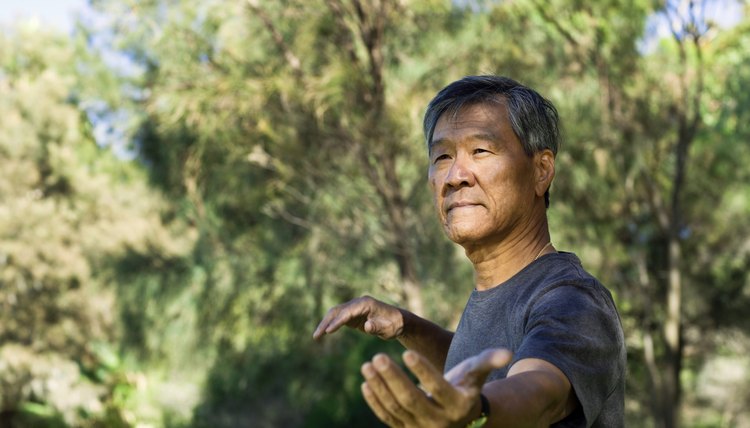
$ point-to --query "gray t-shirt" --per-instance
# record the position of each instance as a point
(555, 311)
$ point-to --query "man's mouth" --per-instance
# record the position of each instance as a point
(460, 204)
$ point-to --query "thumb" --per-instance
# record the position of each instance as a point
(376, 327)
(382, 327)
(473, 371)
(371, 327)
(492, 359)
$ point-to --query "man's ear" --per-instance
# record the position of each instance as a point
(544, 164)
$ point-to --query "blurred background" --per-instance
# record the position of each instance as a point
(188, 185)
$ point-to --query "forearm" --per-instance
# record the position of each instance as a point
(426, 338)
(529, 399)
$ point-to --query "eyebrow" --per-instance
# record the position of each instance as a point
(484, 136)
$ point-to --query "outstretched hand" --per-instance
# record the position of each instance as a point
(450, 401)
(366, 314)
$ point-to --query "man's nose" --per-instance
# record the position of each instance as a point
(460, 174)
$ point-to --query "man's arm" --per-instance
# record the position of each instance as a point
(536, 393)
(426, 338)
(376, 318)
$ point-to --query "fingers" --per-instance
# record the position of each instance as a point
(431, 379)
(340, 315)
(366, 314)
(395, 399)
(377, 408)
(325, 323)
(472, 372)
(394, 392)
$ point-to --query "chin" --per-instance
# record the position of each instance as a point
(463, 234)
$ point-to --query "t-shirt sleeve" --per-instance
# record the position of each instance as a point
(575, 327)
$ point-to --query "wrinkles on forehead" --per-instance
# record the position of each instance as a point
(465, 116)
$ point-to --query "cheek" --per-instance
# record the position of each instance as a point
(432, 176)
(439, 213)
(434, 188)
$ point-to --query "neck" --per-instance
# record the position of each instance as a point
(495, 263)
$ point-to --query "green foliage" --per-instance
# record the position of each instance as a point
(67, 209)
(280, 169)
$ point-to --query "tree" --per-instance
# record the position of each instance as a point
(67, 207)
(639, 185)
(287, 134)
(302, 173)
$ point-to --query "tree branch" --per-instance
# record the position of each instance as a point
(292, 60)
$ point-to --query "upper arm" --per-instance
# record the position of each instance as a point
(576, 329)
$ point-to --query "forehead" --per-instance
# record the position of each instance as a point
(482, 119)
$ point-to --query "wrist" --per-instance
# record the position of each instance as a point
(403, 332)
(480, 412)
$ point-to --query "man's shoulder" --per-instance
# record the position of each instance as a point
(562, 276)
(561, 266)
(557, 270)
(557, 276)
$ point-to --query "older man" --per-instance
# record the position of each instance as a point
(540, 341)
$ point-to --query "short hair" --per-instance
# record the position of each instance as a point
(534, 119)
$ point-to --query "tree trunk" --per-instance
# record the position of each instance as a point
(673, 338)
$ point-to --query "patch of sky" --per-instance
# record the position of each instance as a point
(678, 14)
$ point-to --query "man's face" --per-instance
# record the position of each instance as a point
(482, 181)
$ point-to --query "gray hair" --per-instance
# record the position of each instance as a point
(533, 118)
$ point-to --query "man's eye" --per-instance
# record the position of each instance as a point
(441, 157)
(479, 150)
